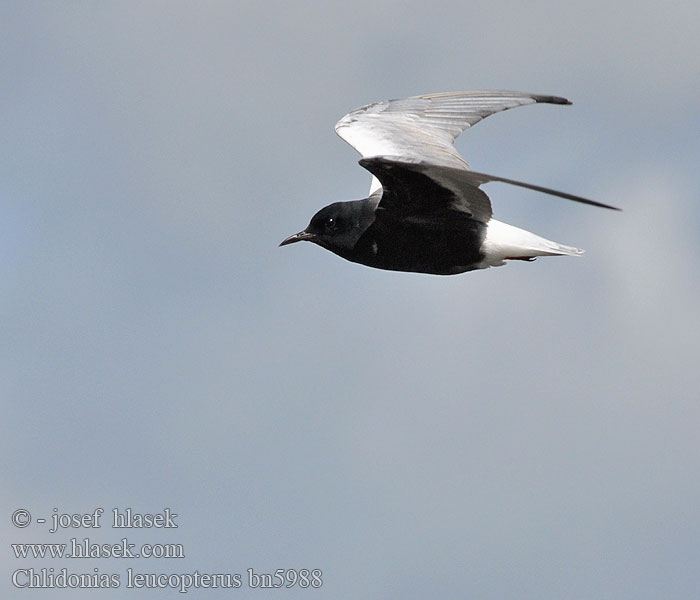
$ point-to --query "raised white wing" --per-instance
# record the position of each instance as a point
(424, 128)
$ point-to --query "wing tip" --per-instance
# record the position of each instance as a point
(552, 99)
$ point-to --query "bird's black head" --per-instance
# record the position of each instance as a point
(337, 227)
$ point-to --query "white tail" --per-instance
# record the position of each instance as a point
(505, 242)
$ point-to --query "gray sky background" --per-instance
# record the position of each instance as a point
(523, 432)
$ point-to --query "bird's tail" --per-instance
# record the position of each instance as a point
(505, 242)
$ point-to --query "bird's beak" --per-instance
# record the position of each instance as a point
(298, 237)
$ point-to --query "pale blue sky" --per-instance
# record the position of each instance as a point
(523, 432)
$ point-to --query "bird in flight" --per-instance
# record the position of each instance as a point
(426, 211)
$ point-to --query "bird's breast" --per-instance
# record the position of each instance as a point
(437, 246)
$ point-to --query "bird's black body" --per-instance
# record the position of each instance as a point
(412, 224)
(440, 244)
(419, 225)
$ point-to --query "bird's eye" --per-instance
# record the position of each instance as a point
(331, 224)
